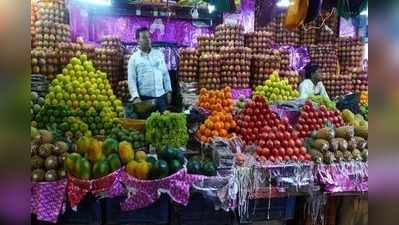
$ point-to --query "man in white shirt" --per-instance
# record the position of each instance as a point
(307, 87)
(148, 76)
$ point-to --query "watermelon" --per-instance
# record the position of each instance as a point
(114, 162)
(174, 166)
(101, 168)
(83, 169)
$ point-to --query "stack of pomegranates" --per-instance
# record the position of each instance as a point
(209, 71)
(229, 35)
(263, 65)
(235, 66)
(188, 65)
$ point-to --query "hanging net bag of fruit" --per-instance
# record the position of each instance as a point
(351, 8)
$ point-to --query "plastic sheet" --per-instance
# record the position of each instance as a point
(47, 199)
(289, 112)
(343, 177)
(222, 191)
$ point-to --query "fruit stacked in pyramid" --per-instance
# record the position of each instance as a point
(86, 94)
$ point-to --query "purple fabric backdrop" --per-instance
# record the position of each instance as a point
(183, 32)
(245, 17)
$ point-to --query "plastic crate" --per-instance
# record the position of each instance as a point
(157, 213)
(88, 212)
(201, 211)
(280, 209)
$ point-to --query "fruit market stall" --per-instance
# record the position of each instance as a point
(243, 144)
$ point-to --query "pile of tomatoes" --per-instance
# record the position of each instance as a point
(311, 119)
(275, 138)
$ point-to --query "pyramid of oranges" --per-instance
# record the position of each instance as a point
(219, 124)
(216, 101)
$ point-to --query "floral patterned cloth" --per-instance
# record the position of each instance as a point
(47, 199)
(77, 189)
(142, 193)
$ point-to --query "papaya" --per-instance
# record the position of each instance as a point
(101, 168)
(114, 162)
(142, 170)
(140, 156)
(131, 168)
(126, 152)
(94, 152)
(110, 146)
(83, 169)
(83, 145)
(70, 163)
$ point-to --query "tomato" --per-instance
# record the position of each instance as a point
(266, 151)
(301, 157)
(280, 135)
(306, 127)
(247, 118)
(287, 135)
(298, 142)
(303, 114)
(287, 158)
(268, 129)
(310, 115)
(264, 136)
(249, 131)
(294, 157)
(323, 108)
(259, 150)
(257, 112)
(275, 152)
(299, 127)
(285, 120)
(258, 123)
(291, 143)
(320, 121)
(290, 151)
(262, 158)
(253, 137)
(279, 158)
(286, 143)
(314, 121)
(281, 127)
(258, 98)
(301, 120)
(256, 130)
(304, 133)
(262, 143)
(245, 124)
(289, 128)
(308, 156)
(270, 144)
(252, 124)
(281, 151)
(271, 158)
(296, 151)
(302, 150)
(306, 108)
(238, 130)
(295, 134)
(267, 116)
(272, 136)
(276, 143)
(261, 118)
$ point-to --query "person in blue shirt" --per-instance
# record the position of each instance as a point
(148, 76)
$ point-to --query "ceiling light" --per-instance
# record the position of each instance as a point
(98, 2)
(211, 8)
(284, 3)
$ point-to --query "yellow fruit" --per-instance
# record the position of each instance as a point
(140, 156)
(142, 170)
(131, 168)
(126, 152)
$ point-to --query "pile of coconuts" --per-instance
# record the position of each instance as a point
(47, 156)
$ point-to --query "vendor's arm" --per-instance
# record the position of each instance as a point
(165, 74)
(132, 79)
(306, 89)
(321, 90)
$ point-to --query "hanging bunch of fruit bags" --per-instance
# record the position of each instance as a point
(296, 14)
(351, 8)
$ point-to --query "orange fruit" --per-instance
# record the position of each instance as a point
(223, 133)
(203, 138)
(219, 125)
(208, 132)
(233, 124)
(203, 91)
(215, 133)
(227, 89)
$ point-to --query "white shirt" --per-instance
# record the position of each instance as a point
(307, 89)
(147, 74)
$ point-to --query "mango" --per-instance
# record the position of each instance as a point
(126, 152)
(94, 152)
